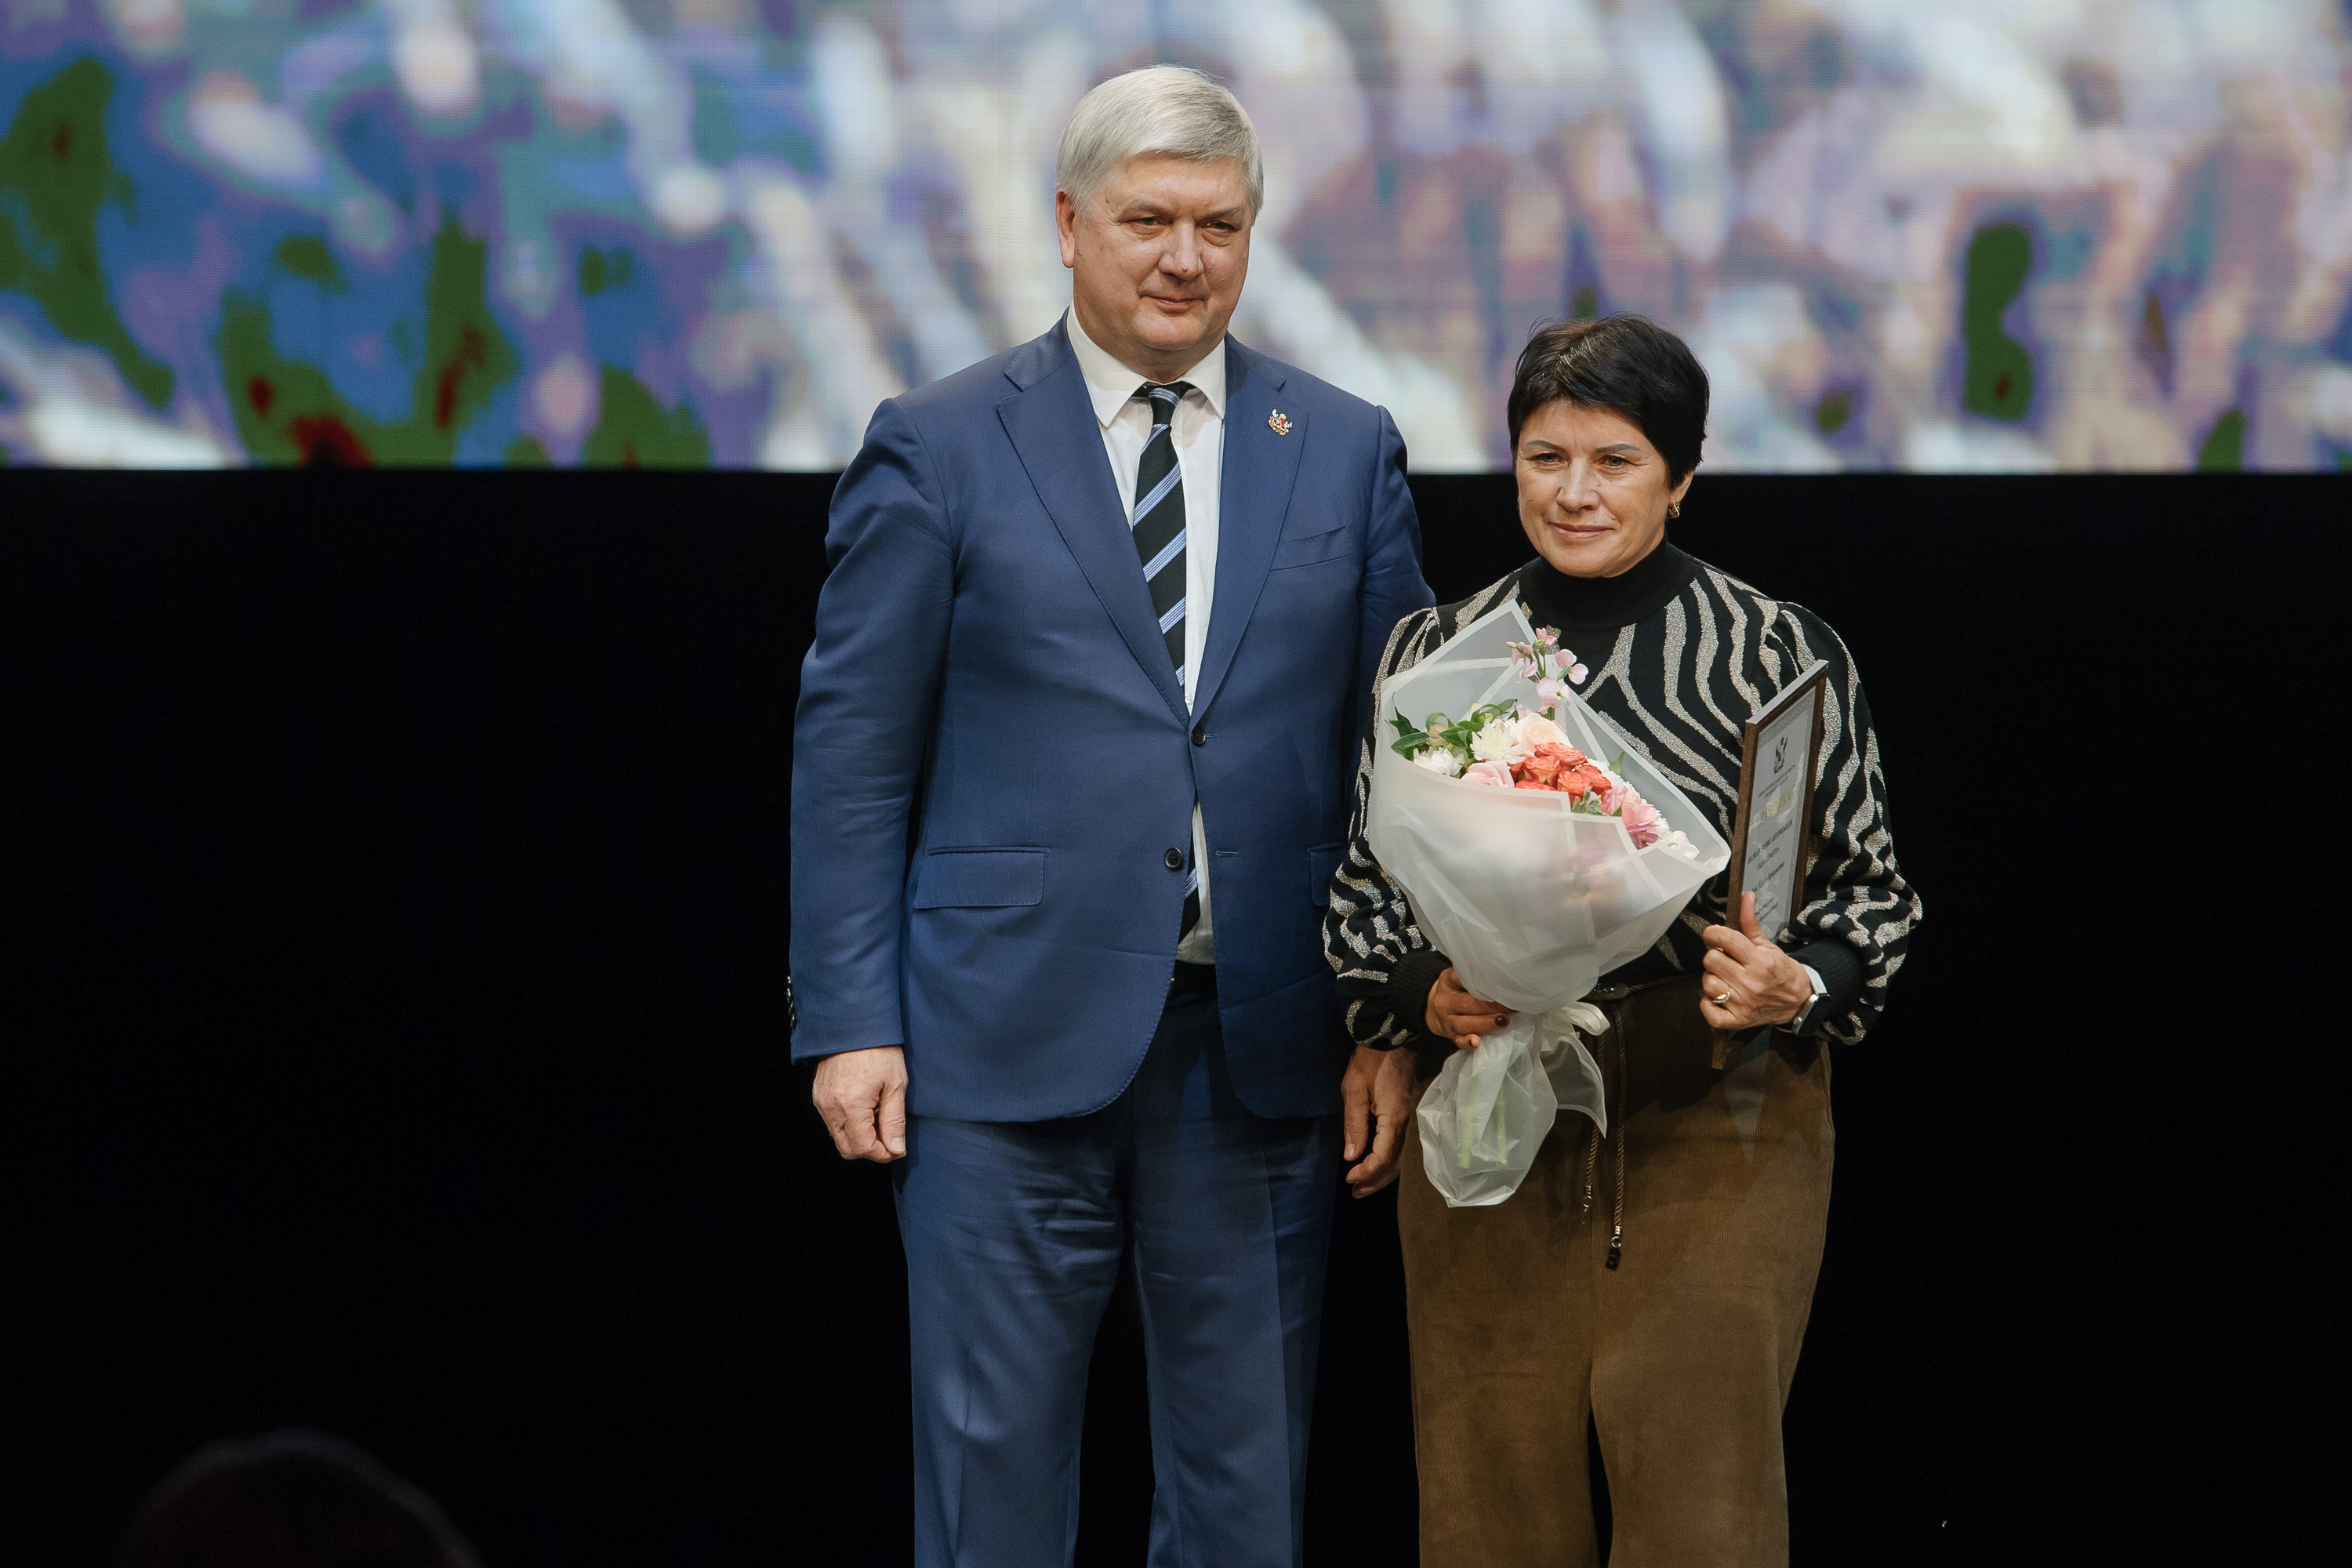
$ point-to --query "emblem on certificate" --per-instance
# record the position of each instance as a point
(1770, 838)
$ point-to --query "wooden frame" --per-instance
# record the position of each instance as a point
(1813, 684)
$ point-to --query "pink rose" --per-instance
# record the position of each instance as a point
(1496, 775)
(1641, 819)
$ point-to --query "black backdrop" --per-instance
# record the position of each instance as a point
(397, 888)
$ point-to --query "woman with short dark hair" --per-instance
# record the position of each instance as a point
(1654, 1283)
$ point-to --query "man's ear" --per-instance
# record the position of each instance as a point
(1066, 224)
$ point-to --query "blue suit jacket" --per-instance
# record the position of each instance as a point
(993, 758)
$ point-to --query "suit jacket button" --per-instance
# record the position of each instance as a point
(1174, 859)
(1200, 735)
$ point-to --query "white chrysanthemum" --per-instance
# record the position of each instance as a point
(1439, 759)
(1499, 742)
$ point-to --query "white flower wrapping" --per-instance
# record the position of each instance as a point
(1532, 901)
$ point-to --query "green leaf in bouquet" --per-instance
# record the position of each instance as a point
(1409, 741)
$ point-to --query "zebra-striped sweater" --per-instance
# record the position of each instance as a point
(1699, 656)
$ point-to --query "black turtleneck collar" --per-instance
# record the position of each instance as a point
(1553, 598)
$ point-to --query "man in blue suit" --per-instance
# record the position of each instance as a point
(1072, 768)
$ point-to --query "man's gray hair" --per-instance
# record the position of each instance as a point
(1170, 109)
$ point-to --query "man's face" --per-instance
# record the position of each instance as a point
(1157, 259)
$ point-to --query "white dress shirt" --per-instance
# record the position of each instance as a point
(1198, 432)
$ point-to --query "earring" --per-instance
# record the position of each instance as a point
(1674, 509)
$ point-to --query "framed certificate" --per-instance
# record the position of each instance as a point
(1771, 844)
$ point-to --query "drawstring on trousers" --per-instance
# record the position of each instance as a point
(1617, 1130)
(1591, 1153)
(1617, 1141)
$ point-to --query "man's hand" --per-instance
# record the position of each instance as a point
(862, 1095)
(1376, 1088)
(1453, 1013)
(1749, 980)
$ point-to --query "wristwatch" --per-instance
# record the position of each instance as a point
(1796, 1026)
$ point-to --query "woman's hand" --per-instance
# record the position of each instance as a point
(1749, 981)
(1453, 1013)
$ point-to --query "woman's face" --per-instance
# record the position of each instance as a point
(1593, 492)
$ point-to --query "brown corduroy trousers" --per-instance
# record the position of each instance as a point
(1681, 1356)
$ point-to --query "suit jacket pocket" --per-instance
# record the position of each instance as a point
(1313, 549)
(1322, 864)
(979, 879)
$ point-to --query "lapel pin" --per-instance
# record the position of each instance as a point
(1279, 422)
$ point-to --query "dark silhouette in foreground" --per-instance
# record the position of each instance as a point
(290, 1499)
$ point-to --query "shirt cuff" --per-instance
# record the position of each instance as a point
(1840, 968)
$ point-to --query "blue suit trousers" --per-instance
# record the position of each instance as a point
(1014, 1233)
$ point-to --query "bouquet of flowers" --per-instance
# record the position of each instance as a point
(1502, 745)
(1532, 864)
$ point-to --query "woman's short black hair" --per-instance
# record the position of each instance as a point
(1627, 364)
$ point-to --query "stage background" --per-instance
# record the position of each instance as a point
(2009, 234)
(397, 877)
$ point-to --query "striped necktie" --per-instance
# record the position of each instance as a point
(1158, 519)
(1158, 524)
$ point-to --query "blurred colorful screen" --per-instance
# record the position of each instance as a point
(2010, 234)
